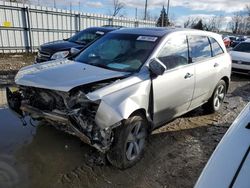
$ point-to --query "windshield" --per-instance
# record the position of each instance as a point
(243, 47)
(84, 37)
(121, 52)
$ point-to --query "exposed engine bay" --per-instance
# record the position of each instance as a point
(70, 111)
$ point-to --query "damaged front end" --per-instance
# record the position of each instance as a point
(71, 111)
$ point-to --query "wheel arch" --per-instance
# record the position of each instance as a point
(143, 112)
(226, 80)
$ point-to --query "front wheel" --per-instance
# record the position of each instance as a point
(215, 102)
(129, 142)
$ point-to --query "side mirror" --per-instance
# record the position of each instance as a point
(157, 67)
(74, 51)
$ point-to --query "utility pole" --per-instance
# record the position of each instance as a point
(135, 13)
(146, 7)
(54, 3)
(168, 9)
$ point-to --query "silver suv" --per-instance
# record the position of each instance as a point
(120, 88)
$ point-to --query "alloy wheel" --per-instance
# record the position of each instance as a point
(135, 141)
(219, 96)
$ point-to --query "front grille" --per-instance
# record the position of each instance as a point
(43, 55)
(241, 62)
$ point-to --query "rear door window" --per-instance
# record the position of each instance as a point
(175, 52)
(199, 47)
(216, 48)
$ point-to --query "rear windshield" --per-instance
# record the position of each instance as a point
(121, 52)
(243, 47)
(86, 36)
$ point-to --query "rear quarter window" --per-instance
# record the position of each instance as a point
(216, 48)
(199, 47)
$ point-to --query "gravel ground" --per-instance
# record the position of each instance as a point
(10, 64)
(2, 97)
(174, 157)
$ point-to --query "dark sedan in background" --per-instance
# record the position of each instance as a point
(63, 48)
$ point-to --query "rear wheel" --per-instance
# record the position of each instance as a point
(215, 102)
(129, 142)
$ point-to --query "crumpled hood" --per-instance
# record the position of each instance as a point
(63, 75)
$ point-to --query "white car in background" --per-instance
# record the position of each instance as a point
(241, 58)
(229, 165)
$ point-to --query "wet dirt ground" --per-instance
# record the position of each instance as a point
(42, 156)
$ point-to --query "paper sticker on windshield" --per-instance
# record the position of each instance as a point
(147, 38)
(99, 32)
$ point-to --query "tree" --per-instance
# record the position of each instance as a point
(213, 24)
(117, 7)
(163, 20)
(199, 25)
(248, 9)
(235, 22)
(240, 22)
(19, 1)
(190, 22)
(248, 19)
(209, 24)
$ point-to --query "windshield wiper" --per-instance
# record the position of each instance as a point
(101, 65)
(80, 42)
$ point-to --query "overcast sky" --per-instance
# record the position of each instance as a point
(179, 9)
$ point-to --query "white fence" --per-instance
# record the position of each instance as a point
(24, 27)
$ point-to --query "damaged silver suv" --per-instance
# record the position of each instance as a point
(120, 88)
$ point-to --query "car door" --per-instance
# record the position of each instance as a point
(204, 64)
(172, 91)
(233, 171)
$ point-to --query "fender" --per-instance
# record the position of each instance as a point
(119, 105)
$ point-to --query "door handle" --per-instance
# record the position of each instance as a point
(188, 75)
(216, 64)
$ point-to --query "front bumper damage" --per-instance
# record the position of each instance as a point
(99, 138)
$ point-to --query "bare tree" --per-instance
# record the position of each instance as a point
(248, 9)
(236, 19)
(191, 21)
(187, 23)
(214, 23)
(19, 1)
(117, 7)
(240, 23)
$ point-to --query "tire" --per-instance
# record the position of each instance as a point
(216, 100)
(129, 142)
